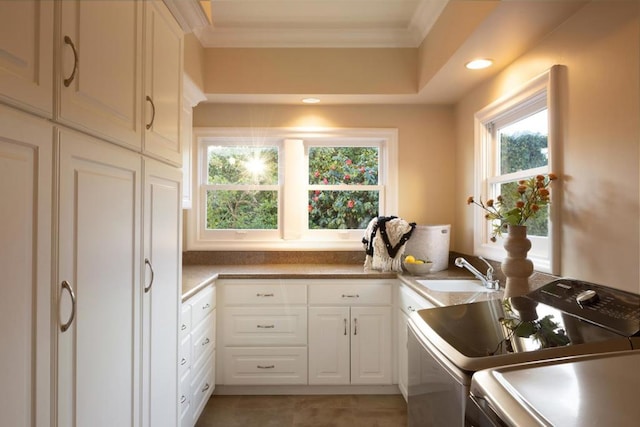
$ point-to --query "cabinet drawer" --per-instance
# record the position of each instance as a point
(203, 338)
(262, 366)
(273, 293)
(185, 321)
(184, 359)
(184, 401)
(202, 386)
(202, 304)
(256, 326)
(350, 294)
(409, 301)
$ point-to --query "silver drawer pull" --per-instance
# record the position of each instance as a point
(206, 341)
(350, 296)
(204, 307)
(183, 398)
(183, 361)
(266, 367)
(183, 327)
(265, 326)
(264, 295)
(205, 388)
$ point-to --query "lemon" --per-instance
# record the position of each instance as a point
(418, 261)
(410, 259)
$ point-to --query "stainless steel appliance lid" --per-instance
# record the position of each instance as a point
(581, 391)
(491, 333)
(613, 309)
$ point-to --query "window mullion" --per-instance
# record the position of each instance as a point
(294, 197)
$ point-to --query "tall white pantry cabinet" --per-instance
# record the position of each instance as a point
(90, 213)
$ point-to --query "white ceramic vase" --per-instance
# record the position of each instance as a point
(516, 266)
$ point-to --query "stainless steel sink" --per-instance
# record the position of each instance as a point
(454, 285)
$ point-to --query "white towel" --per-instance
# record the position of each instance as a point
(384, 241)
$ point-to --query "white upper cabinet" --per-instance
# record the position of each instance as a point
(100, 69)
(26, 55)
(163, 84)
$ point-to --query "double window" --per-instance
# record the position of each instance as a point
(290, 189)
(516, 139)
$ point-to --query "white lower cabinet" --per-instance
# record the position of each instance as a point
(25, 265)
(197, 354)
(264, 332)
(99, 284)
(408, 302)
(162, 227)
(350, 343)
(117, 287)
(265, 365)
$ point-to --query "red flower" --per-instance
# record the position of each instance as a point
(348, 162)
(350, 204)
(316, 174)
(310, 208)
(315, 199)
(325, 181)
(347, 177)
(362, 169)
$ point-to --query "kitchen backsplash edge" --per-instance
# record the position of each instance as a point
(327, 257)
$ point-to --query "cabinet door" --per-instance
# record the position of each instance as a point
(163, 83)
(100, 72)
(26, 54)
(99, 263)
(329, 330)
(371, 345)
(403, 369)
(161, 293)
(25, 263)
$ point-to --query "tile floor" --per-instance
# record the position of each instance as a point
(305, 411)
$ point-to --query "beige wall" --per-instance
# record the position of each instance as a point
(194, 60)
(599, 47)
(425, 146)
(311, 71)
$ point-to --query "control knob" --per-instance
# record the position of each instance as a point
(587, 297)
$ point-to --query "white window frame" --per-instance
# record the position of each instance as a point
(293, 233)
(545, 252)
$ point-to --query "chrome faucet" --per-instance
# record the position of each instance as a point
(488, 281)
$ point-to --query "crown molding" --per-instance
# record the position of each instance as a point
(425, 16)
(188, 13)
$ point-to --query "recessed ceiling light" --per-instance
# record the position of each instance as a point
(310, 100)
(479, 64)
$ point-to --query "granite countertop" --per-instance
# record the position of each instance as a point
(194, 277)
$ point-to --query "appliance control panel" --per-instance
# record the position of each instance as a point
(616, 310)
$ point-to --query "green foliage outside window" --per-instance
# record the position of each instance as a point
(243, 207)
(523, 151)
(342, 209)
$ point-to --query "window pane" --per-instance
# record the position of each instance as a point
(342, 209)
(523, 144)
(343, 165)
(242, 165)
(537, 225)
(242, 210)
